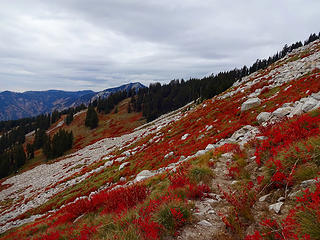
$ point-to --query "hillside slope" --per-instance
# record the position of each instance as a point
(209, 171)
(32, 103)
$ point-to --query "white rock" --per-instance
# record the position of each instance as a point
(263, 198)
(168, 155)
(263, 117)
(205, 223)
(293, 195)
(127, 153)
(211, 211)
(143, 175)
(282, 112)
(297, 110)
(209, 128)
(108, 164)
(184, 137)
(307, 183)
(227, 155)
(123, 165)
(209, 147)
(200, 137)
(200, 152)
(276, 207)
(316, 96)
(309, 105)
(250, 103)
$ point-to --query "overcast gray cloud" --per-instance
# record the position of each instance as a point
(97, 44)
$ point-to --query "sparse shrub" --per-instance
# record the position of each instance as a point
(305, 171)
(239, 216)
(173, 216)
(197, 191)
(201, 174)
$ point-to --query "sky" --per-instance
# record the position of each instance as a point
(97, 44)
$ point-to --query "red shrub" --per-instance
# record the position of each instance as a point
(283, 134)
(197, 191)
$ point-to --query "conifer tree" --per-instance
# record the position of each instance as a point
(91, 118)
(30, 151)
(69, 118)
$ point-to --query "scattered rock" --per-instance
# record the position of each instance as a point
(282, 112)
(200, 137)
(209, 128)
(227, 155)
(316, 96)
(276, 207)
(143, 175)
(210, 147)
(169, 155)
(263, 117)
(250, 103)
(205, 223)
(123, 165)
(309, 105)
(200, 152)
(108, 164)
(211, 212)
(297, 110)
(184, 137)
(263, 198)
(307, 183)
(293, 195)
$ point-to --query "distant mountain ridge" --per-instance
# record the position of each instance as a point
(15, 105)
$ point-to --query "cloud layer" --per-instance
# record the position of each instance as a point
(97, 44)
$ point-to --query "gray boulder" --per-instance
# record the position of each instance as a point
(263, 117)
(282, 112)
(316, 96)
(250, 103)
(309, 105)
(297, 110)
(123, 165)
(276, 207)
(143, 175)
(205, 223)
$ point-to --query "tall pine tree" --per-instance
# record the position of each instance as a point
(91, 118)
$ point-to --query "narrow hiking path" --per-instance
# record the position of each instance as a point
(206, 223)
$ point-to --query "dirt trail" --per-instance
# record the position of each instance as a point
(207, 223)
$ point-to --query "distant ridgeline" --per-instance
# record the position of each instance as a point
(153, 101)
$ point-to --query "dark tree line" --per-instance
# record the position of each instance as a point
(106, 105)
(11, 160)
(60, 143)
(159, 99)
(12, 154)
(92, 119)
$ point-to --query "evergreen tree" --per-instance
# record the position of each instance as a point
(91, 118)
(19, 156)
(46, 148)
(39, 139)
(58, 145)
(69, 118)
(5, 169)
(30, 151)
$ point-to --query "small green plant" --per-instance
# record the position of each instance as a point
(201, 174)
(173, 216)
